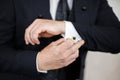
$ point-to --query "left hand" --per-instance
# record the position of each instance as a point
(58, 54)
(43, 28)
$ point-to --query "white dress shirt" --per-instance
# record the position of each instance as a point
(53, 7)
(70, 31)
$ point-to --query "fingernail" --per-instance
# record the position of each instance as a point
(26, 43)
(33, 44)
(38, 43)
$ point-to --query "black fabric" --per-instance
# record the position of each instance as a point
(51, 75)
(94, 21)
(63, 11)
(54, 75)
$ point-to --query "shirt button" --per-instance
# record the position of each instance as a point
(84, 8)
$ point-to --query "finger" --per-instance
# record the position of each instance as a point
(66, 44)
(26, 42)
(45, 35)
(35, 34)
(27, 31)
(69, 62)
(27, 38)
(32, 33)
(58, 42)
(69, 55)
(73, 56)
(76, 46)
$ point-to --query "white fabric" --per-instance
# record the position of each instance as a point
(70, 31)
(53, 7)
(37, 65)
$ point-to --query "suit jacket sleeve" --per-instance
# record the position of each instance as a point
(12, 59)
(103, 34)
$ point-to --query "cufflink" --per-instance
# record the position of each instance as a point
(74, 38)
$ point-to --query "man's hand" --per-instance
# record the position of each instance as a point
(58, 54)
(43, 28)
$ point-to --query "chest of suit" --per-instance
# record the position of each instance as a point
(28, 10)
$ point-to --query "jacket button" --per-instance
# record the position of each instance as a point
(84, 8)
(40, 16)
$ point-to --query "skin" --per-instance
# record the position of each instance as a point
(58, 54)
(43, 28)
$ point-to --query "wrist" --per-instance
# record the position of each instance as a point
(40, 62)
(61, 25)
(37, 65)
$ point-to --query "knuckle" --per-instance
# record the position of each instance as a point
(34, 33)
(77, 52)
(56, 53)
(66, 64)
(77, 55)
(26, 30)
(71, 50)
(70, 42)
(63, 57)
(62, 60)
(36, 20)
(63, 64)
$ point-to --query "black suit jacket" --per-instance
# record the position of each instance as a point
(94, 21)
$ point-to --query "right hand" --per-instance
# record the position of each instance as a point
(43, 28)
(58, 54)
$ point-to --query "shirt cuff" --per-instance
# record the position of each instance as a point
(71, 32)
(37, 65)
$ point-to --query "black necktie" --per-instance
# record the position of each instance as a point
(63, 11)
(61, 14)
